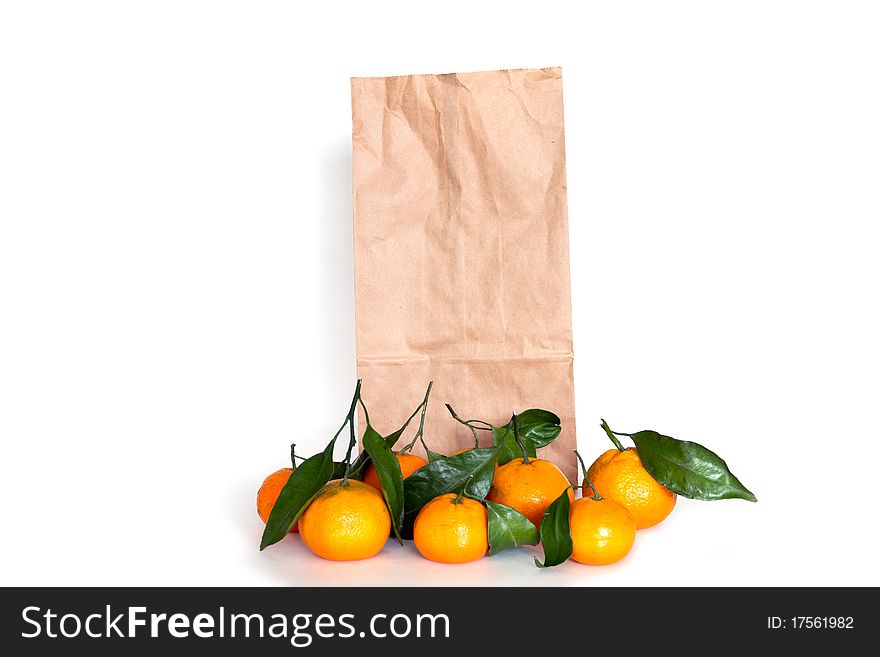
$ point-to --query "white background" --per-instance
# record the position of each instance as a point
(176, 273)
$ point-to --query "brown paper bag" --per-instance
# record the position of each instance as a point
(461, 251)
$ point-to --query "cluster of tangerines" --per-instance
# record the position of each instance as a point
(528, 499)
(350, 522)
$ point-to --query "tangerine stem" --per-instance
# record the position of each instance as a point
(349, 419)
(357, 392)
(518, 441)
(457, 498)
(611, 435)
(419, 434)
(410, 419)
(589, 483)
(470, 424)
(293, 455)
(366, 414)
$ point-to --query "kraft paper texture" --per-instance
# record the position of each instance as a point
(461, 252)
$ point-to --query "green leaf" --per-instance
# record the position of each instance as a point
(537, 426)
(390, 477)
(688, 469)
(304, 482)
(392, 438)
(360, 463)
(470, 472)
(556, 532)
(434, 456)
(508, 528)
(503, 438)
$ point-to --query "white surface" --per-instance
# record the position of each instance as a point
(176, 278)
